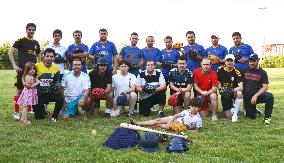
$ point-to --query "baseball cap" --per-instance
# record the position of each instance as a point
(149, 142)
(230, 56)
(215, 35)
(254, 57)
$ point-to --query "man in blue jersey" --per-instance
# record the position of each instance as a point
(216, 50)
(78, 49)
(105, 49)
(241, 51)
(150, 53)
(193, 52)
(133, 55)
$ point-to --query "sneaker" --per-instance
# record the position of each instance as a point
(16, 115)
(161, 114)
(214, 118)
(136, 110)
(107, 112)
(31, 112)
(234, 118)
(266, 121)
(258, 112)
(115, 113)
(53, 120)
(153, 109)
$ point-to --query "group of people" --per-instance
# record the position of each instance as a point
(144, 74)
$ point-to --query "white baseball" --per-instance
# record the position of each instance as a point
(94, 132)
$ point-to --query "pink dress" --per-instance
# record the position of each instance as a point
(29, 95)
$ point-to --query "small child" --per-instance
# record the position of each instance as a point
(28, 96)
(186, 120)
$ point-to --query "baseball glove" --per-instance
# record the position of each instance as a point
(194, 55)
(173, 100)
(178, 127)
(178, 46)
(226, 92)
(147, 88)
(214, 59)
(99, 93)
(238, 56)
(167, 64)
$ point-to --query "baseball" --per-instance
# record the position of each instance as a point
(94, 132)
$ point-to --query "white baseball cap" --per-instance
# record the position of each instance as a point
(230, 56)
(215, 35)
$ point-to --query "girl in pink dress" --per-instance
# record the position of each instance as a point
(28, 96)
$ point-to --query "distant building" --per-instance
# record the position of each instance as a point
(272, 50)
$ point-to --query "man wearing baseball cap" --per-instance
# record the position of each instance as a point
(255, 90)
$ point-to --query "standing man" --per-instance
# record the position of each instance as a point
(49, 88)
(216, 50)
(133, 55)
(255, 90)
(193, 52)
(150, 53)
(28, 49)
(230, 88)
(123, 84)
(151, 85)
(241, 51)
(78, 49)
(205, 84)
(181, 82)
(101, 78)
(60, 51)
(105, 49)
(77, 85)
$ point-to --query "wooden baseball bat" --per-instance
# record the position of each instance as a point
(139, 128)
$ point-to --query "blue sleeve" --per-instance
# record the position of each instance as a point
(122, 52)
(206, 51)
(203, 53)
(114, 50)
(231, 50)
(69, 49)
(86, 49)
(250, 49)
(92, 50)
(141, 54)
(159, 57)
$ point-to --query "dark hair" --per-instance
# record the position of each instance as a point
(149, 37)
(28, 67)
(169, 37)
(182, 58)
(57, 31)
(123, 62)
(102, 30)
(237, 34)
(77, 59)
(195, 102)
(78, 31)
(49, 50)
(190, 32)
(151, 60)
(30, 25)
(134, 33)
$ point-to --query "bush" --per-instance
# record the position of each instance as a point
(4, 58)
(273, 62)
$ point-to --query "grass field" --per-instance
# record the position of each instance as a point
(71, 140)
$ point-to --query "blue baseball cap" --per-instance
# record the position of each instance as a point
(254, 57)
(149, 142)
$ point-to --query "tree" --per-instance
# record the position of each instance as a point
(4, 58)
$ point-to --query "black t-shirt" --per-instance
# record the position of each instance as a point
(181, 80)
(27, 51)
(229, 78)
(98, 81)
(253, 80)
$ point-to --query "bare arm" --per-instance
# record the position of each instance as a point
(108, 88)
(115, 60)
(160, 88)
(261, 91)
(12, 59)
(132, 89)
(239, 88)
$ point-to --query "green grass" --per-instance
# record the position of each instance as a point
(71, 140)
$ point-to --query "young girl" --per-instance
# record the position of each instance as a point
(29, 94)
(186, 120)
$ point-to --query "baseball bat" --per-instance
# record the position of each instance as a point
(139, 128)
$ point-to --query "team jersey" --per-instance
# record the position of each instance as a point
(245, 50)
(229, 78)
(205, 81)
(193, 64)
(122, 83)
(181, 80)
(47, 76)
(219, 51)
(150, 55)
(106, 50)
(189, 120)
(84, 48)
(132, 56)
(28, 49)
(165, 56)
(59, 50)
(98, 81)
(75, 85)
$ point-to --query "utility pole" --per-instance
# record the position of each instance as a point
(263, 55)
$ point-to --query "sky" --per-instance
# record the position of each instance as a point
(146, 17)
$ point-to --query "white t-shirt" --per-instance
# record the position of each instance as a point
(61, 51)
(122, 83)
(75, 86)
(190, 121)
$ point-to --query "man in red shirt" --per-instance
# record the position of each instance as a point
(205, 84)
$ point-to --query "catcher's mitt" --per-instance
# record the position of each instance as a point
(194, 55)
(176, 126)
(147, 88)
(214, 59)
(99, 93)
(167, 64)
(178, 45)
(238, 56)
(226, 92)
(173, 100)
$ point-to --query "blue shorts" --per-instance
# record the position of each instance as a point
(72, 106)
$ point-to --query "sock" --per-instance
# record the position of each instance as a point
(29, 109)
(16, 106)
(238, 103)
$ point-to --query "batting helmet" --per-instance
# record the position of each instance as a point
(149, 142)
(173, 100)
(99, 93)
(121, 100)
(177, 145)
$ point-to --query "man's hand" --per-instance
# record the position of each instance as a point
(82, 102)
(204, 93)
(253, 100)
(16, 68)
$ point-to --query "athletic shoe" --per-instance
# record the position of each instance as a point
(266, 121)
(53, 120)
(31, 112)
(161, 114)
(214, 118)
(16, 115)
(115, 113)
(234, 118)
(258, 112)
(153, 109)
(107, 112)
(136, 110)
